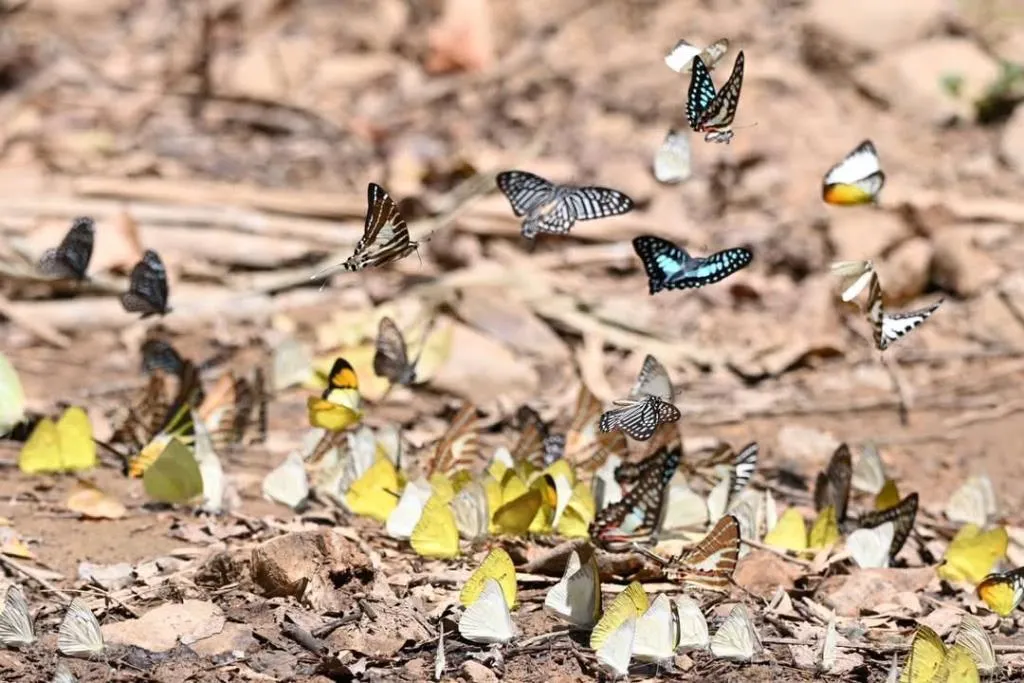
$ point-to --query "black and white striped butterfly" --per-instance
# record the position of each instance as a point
(902, 515)
(712, 112)
(147, 289)
(554, 209)
(743, 467)
(642, 510)
(70, 259)
(832, 487)
(648, 406)
(887, 328)
(671, 267)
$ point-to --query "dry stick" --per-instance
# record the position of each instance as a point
(32, 574)
(304, 638)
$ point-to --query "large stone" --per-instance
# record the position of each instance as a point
(959, 265)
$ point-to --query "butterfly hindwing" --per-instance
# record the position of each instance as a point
(554, 209)
(147, 289)
(639, 418)
(710, 563)
(671, 267)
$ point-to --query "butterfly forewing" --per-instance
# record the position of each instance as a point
(832, 487)
(902, 516)
(640, 418)
(711, 562)
(391, 359)
(588, 203)
(888, 328)
(71, 257)
(700, 95)
(743, 467)
(385, 233)
(147, 289)
(525, 191)
(653, 380)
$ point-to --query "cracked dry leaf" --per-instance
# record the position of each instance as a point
(89, 501)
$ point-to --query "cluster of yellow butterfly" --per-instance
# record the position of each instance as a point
(930, 661)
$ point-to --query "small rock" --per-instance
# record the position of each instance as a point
(905, 273)
(877, 24)
(864, 233)
(475, 672)
(110, 576)
(762, 572)
(1011, 145)
(960, 266)
(938, 80)
(866, 589)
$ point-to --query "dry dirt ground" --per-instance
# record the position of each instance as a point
(236, 138)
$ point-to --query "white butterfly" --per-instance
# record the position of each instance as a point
(617, 649)
(684, 508)
(79, 634)
(672, 162)
(487, 620)
(210, 468)
(62, 675)
(655, 632)
(606, 487)
(869, 471)
(827, 658)
(471, 510)
(576, 598)
(680, 58)
(973, 636)
(15, 620)
(736, 639)
(887, 328)
(857, 179)
(287, 483)
(870, 547)
(693, 627)
(407, 512)
(855, 276)
(974, 502)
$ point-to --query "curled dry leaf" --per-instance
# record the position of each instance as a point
(90, 501)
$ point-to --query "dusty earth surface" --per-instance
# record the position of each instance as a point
(236, 138)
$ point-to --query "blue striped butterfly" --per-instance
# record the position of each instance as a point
(670, 267)
(712, 112)
(70, 259)
(640, 512)
(648, 406)
(554, 209)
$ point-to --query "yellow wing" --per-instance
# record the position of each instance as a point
(77, 449)
(825, 530)
(498, 566)
(436, 534)
(516, 516)
(789, 533)
(631, 602)
(971, 554)
(41, 452)
(925, 658)
(1002, 592)
(375, 494)
(957, 667)
(174, 477)
(888, 497)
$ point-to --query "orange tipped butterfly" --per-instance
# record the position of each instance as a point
(554, 209)
(712, 112)
(147, 289)
(70, 259)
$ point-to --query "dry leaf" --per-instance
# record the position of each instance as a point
(89, 501)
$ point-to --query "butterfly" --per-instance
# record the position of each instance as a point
(458, 447)
(1003, 592)
(79, 634)
(832, 486)
(62, 446)
(901, 515)
(973, 637)
(857, 179)
(642, 509)
(670, 267)
(736, 639)
(855, 276)
(576, 598)
(974, 501)
(385, 233)
(680, 59)
(710, 563)
(693, 626)
(71, 258)
(869, 548)
(710, 112)
(536, 444)
(639, 418)
(340, 405)
(554, 209)
(887, 328)
(497, 566)
(743, 467)
(973, 553)
(672, 162)
(656, 634)
(436, 534)
(147, 289)
(486, 619)
(158, 354)
(391, 359)
(15, 620)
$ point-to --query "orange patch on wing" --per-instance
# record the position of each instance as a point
(842, 194)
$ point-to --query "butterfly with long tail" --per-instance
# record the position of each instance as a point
(671, 267)
(712, 112)
(648, 406)
(554, 209)
(641, 511)
(70, 259)
(710, 563)
(385, 234)
(147, 289)
(888, 328)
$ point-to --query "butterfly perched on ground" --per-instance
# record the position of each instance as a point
(70, 259)
(888, 328)
(648, 406)
(147, 288)
(1003, 592)
(711, 112)
(901, 515)
(385, 234)
(710, 563)
(640, 512)
(391, 359)
(670, 267)
(680, 58)
(832, 487)
(536, 444)
(554, 209)
(857, 179)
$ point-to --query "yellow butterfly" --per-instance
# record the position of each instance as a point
(374, 494)
(888, 497)
(629, 604)
(972, 554)
(339, 406)
(926, 654)
(497, 566)
(174, 476)
(436, 535)
(66, 446)
(790, 531)
(1003, 592)
(516, 517)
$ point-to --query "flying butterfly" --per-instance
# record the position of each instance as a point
(554, 209)
(680, 59)
(712, 112)
(857, 179)
(391, 359)
(670, 267)
(70, 259)
(147, 289)
(887, 328)
(649, 404)
(672, 162)
(832, 486)
(710, 563)
(641, 511)
(901, 515)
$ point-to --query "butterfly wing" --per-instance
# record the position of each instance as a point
(700, 95)
(672, 161)
(147, 290)
(525, 191)
(857, 179)
(653, 380)
(896, 325)
(71, 258)
(385, 233)
(902, 516)
(743, 467)
(588, 203)
(832, 486)
(718, 114)
(662, 260)
(710, 563)
(391, 359)
(711, 269)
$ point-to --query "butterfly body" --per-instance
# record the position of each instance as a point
(554, 209)
(709, 111)
(147, 290)
(70, 259)
(671, 267)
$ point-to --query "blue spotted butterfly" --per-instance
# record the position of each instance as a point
(670, 267)
(712, 112)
